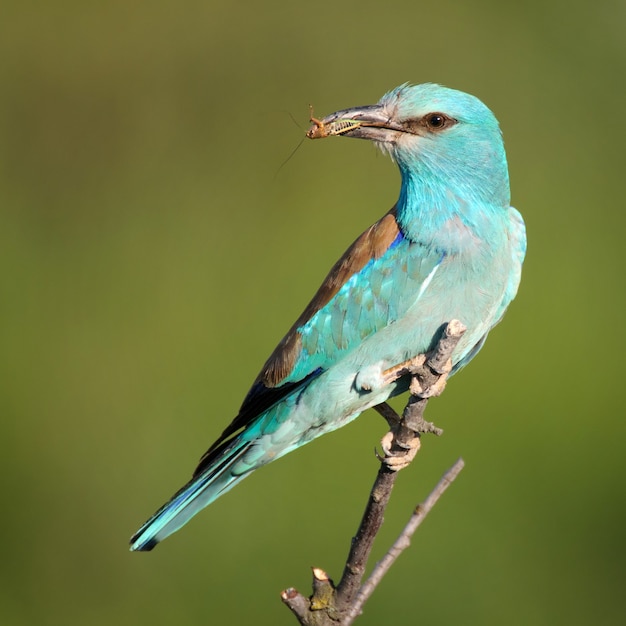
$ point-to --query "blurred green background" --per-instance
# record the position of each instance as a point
(153, 251)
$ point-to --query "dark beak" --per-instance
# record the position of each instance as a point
(367, 122)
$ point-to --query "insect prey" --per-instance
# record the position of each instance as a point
(319, 130)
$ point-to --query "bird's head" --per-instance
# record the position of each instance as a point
(443, 140)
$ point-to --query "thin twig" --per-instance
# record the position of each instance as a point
(402, 543)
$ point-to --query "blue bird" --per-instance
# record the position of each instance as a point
(451, 247)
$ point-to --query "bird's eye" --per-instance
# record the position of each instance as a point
(437, 121)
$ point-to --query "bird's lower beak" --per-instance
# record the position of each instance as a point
(367, 122)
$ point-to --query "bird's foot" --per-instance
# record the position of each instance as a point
(426, 382)
(398, 455)
(411, 366)
(374, 377)
(434, 387)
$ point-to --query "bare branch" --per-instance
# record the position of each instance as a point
(330, 606)
(363, 541)
(402, 542)
(298, 604)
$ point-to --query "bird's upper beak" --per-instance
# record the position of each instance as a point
(367, 122)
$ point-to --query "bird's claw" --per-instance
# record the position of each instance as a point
(417, 367)
(396, 456)
(373, 377)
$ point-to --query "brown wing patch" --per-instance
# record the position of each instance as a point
(372, 244)
(267, 388)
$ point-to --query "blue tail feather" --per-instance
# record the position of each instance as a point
(199, 492)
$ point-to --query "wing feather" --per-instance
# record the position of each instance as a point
(367, 289)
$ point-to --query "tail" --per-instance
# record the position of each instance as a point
(209, 483)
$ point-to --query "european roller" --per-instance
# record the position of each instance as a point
(451, 247)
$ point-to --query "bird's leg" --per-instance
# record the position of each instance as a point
(374, 377)
(426, 381)
(411, 366)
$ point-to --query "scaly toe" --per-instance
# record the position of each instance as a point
(398, 458)
(386, 443)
